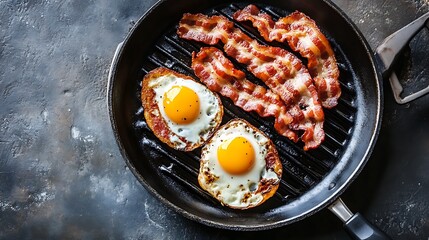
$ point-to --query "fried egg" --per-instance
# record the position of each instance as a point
(240, 166)
(180, 111)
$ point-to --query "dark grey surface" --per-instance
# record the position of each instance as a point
(61, 174)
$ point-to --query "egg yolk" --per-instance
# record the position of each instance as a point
(236, 156)
(181, 104)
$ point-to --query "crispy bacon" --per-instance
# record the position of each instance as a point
(280, 70)
(303, 36)
(219, 75)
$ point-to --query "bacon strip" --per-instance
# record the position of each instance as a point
(303, 36)
(280, 70)
(219, 75)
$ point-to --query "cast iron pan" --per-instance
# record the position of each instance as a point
(311, 180)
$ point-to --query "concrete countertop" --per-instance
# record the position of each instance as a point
(61, 173)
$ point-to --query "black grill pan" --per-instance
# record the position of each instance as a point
(311, 180)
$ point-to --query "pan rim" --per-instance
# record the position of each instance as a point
(374, 71)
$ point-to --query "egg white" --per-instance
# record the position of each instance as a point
(231, 189)
(197, 131)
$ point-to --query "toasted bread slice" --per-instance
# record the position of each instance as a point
(249, 189)
(164, 129)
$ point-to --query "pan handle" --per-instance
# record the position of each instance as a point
(355, 224)
(389, 50)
